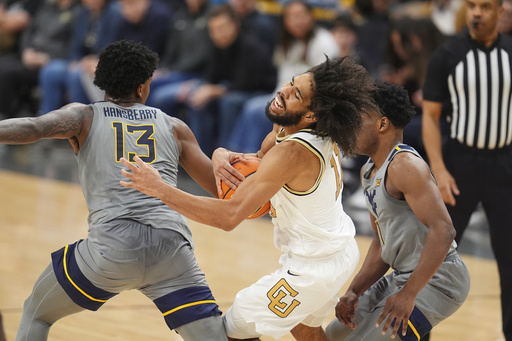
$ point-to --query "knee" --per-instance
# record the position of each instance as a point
(53, 72)
(336, 331)
(237, 328)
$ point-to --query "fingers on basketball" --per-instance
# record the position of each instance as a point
(247, 167)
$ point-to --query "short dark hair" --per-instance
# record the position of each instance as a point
(344, 20)
(394, 103)
(123, 66)
(341, 94)
(223, 9)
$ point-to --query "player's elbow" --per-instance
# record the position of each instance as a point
(229, 224)
(231, 221)
(451, 233)
(448, 233)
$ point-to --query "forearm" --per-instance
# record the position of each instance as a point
(372, 270)
(19, 131)
(204, 210)
(431, 130)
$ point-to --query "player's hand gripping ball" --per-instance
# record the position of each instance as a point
(247, 167)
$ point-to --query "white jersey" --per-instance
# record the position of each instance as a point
(313, 224)
(320, 253)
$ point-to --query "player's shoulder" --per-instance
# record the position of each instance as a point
(408, 163)
(454, 46)
(79, 110)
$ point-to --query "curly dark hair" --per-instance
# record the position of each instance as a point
(341, 94)
(123, 66)
(393, 102)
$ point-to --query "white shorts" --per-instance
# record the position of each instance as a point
(302, 291)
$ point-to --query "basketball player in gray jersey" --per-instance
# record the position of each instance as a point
(413, 234)
(135, 241)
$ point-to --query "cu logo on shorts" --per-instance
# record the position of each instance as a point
(281, 298)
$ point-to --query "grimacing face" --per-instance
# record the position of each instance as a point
(292, 101)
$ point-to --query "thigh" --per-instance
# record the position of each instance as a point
(178, 287)
(54, 73)
(337, 331)
(464, 168)
(277, 303)
(206, 329)
(48, 301)
(497, 205)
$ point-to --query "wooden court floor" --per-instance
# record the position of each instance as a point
(38, 216)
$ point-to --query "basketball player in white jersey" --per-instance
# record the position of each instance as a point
(134, 241)
(317, 116)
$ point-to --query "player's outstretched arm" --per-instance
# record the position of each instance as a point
(68, 122)
(253, 192)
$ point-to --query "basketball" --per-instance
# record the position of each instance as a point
(247, 167)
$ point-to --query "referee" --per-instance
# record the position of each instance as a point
(471, 76)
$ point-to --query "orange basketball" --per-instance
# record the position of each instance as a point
(247, 167)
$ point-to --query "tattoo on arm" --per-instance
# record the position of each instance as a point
(63, 123)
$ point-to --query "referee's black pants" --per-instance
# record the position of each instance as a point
(486, 177)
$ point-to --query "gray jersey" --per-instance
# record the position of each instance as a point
(400, 250)
(126, 132)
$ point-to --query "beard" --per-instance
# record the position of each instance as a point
(290, 118)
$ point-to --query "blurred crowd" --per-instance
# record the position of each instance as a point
(221, 61)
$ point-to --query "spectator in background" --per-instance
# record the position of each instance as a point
(237, 70)
(15, 16)
(95, 27)
(505, 21)
(46, 38)
(255, 22)
(444, 15)
(185, 57)
(144, 21)
(302, 45)
(372, 28)
(411, 42)
(344, 32)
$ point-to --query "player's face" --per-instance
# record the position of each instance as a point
(482, 18)
(291, 102)
(366, 138)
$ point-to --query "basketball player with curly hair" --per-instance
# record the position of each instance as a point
(134, 241)
(413, 236)
(317, 117)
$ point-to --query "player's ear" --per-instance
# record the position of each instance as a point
(384, 123)
(311, 117)
(139, 90)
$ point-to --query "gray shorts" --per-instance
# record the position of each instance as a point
(123, 255)
(439, 299)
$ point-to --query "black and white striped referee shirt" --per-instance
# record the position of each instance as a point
(478, 83)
